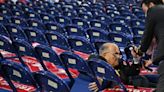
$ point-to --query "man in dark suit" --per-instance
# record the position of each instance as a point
(154, 11)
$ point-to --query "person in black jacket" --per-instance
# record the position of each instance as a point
(154, 11)
(129, 74)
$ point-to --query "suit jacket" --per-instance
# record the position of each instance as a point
(154, 28)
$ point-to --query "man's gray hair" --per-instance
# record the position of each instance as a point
(104, 48)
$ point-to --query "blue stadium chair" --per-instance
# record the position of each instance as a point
(57, 40)
(67, 8)
(137, 23)
(46, 54)
(120, 28)
(83, 9)
(140, 15)
(26, 8)
(80, 22)
(3, 30)
(32, 15)
(16, 32)
(14, 72)
(18, 13)
(73, 61)
(6, 46)
(138, 31)
(110, 7)
(105, 71)
(129, 16)
(36, 36)
(75, 30)
(50, 82)
(113, 14)
(121, 40)
(15, 7)
(6, 12)
(81, 44)
(121, 19)
(58, 4)
(24, 48)
(104, 18)
(70, 14)
(39, 10)
(25, 51)
(62, 20)
(4, 19)
(85, 16)
(19, 21)
(125, 11)
(136, 9)
(4, 5)
(98, 24)
(54, 12)
(36, 24)
(97, 13)
(46, 17)
(55, 27)
(97, 34)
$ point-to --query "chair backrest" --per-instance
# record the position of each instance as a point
(3, 19)
(36, 24)
(35, 35)
(3, 30)
(119, 38)
(57, 40)
(52, 26)
(70, 14)
(75, 30)
(62, 20)
(104, 70)
(105, 19)
(24, 48)
(80, 22)
(19, 21)
(98, 24)
(85, 16)
(17, 73)
(47, 54)
(16, 32)
(50, 82)
(5, 44)
(120, 28)
(32, 15)
(97, 34)
(137, 22)
(46, 17)
(5, 11)
(74, 61)
(81, 44)
(138, 31)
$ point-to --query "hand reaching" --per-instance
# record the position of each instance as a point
(93, 87)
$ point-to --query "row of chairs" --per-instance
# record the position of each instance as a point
(46, 54)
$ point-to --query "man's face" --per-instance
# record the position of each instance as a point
(145, 8)
(113, 57)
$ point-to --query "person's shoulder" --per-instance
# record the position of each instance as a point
(157, 8)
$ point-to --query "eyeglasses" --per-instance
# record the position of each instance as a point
(116, 54)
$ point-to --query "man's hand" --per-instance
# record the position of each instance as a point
(93, 87)
(148, 62)
(134, 51)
